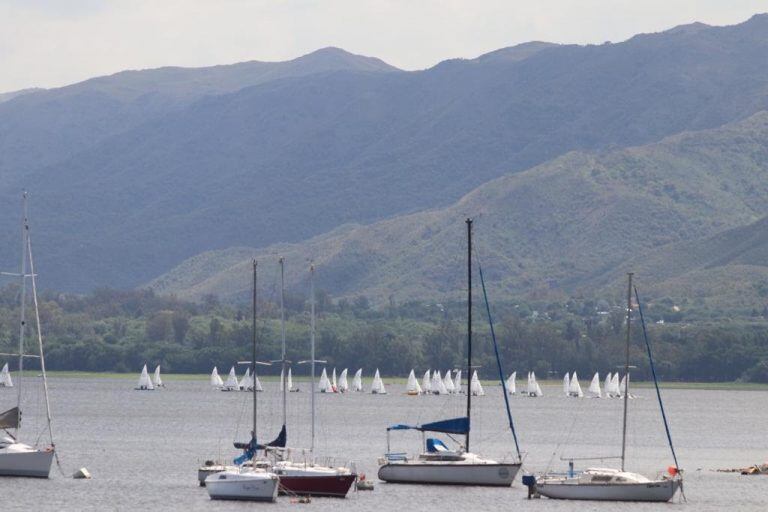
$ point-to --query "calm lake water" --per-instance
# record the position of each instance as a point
(143, 448)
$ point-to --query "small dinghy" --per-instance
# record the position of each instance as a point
(291, 388)
(412, 387)
(216, 381)
(357, 382)
(567, 384)
(457, 383)
(343, 386)
(426, 383)
(231, 384)
(324, 386)
(438, 386)
(145, 383)
(5, 377)
(476, 386)
(594, 390)
(156, 379)
(574, 390)
(246, 383)
(533, 390)
(448, 382)
(377, 387)
(512, 384)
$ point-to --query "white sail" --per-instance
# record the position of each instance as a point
(334, 386)
(324, 386)
(156, 380)
(145, 383)
(615, 391)
(567, 384)
(357, 382)
(426, 383)
(282, 380)
(533, 387)
(448, 383)
(343, 384)
(575, 389)
(438, 386)
(257, 383)
(5, 377)
(246, 383)
(512, 384)
(594, 387)
(377, 387)
(607, 385)
(476, 386)
(231, 383)
(623, 387)
(216, 381)
(290, 381)
(457, 383)
(412, 387)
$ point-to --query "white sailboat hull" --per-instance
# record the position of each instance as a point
(230, 485)
(32, 463)
(501, 475)
(659, 490)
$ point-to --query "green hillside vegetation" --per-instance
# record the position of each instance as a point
(669, 211)
(111, 331)
(154, 167)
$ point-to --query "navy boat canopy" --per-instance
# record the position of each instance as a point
(452, 426)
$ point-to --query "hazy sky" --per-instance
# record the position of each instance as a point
(47, 43)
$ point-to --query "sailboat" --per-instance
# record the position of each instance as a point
(594, 390)
(607, 385)
(231, 384)
(610, 484)
(17, 458)
(412, 387)
(246, 383)
(426, 383)
(615, 389)
(438, 386)
(5, 377)
(574, 389)
(324, 386)
(145, 383)
(334, 384)
(357, 382)
(291, 388)
(257, 383)
(448, 382)
(216, 381)
(512, 384)
(307, 478)
(343, 386)
(476, 386)
(533, 389)
(567, 384)
(457, 383)
(377, 386)
(156, 379)
(438, 464)
(250, 483)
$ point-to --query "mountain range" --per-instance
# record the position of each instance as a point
(573, 159)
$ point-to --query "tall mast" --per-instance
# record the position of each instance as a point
(312, 353)
(23, 310)
(469, 327)
(253, 348)
(626, 371)
(282, 336)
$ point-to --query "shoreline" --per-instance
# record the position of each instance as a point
(714, 386)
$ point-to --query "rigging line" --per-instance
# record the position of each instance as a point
(498, 358)
(656, 381)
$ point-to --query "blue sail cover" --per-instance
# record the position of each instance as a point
(452, 426)
(279, 442)
(249, 448)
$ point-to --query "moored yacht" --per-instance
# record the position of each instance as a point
(438, 464)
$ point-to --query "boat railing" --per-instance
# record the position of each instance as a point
(305, 456)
